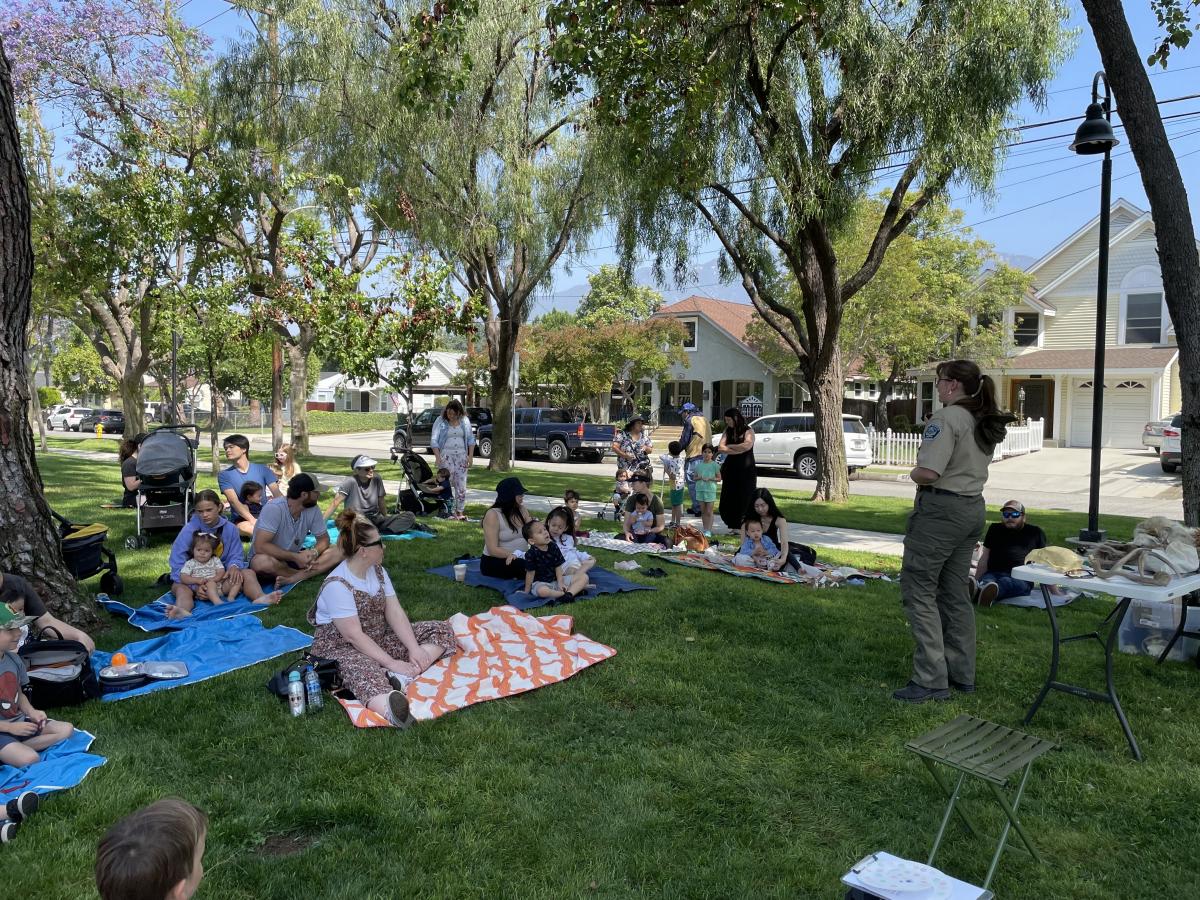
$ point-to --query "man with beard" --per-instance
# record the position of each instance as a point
(277, 549)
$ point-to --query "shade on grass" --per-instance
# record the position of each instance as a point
(741, 743)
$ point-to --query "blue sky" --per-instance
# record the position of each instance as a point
(1017, 220)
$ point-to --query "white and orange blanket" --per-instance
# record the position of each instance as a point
(502, 652)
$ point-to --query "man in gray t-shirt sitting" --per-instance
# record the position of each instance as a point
(277, 546)
(364, 493)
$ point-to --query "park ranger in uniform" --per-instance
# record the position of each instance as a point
(945, 524)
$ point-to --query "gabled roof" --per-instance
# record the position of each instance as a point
(1135, 227)
(726, 315)
(1120, 204)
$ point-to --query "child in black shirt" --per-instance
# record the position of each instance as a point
(251, 494)
(544, 576)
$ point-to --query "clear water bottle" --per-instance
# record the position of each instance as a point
(312, 689)
(295, 694)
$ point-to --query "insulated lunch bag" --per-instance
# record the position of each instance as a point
(60, 671)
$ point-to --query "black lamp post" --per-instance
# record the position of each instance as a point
(1093, 137)
(1021, 406)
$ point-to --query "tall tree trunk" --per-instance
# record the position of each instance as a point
(277, 392)
(36, 416)
(1174, 232)
(826, 383)
(133, 401)
(28, 537)
(887, 387)
(502, 344)
(298, 363)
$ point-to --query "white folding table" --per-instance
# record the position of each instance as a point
(1125, 591)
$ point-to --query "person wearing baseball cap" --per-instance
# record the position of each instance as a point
(504, 545)
(277, 548)
(642, 483)
(24, 731)
(1005, 546)
(697, 431)
(364, 493)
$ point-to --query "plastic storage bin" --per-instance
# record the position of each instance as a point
(1148, 627)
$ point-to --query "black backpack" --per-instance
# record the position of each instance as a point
(327, 671)
(48, 660)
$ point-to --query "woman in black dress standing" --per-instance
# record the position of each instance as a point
(739, 478)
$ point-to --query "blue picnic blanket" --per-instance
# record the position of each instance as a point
(406, 536)
(153, 616)
(220, 646)
(514, 591)
(62, 766)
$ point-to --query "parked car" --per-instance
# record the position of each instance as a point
(789, 441)
(422, 427)
(1169, 455)
(68, 417)
(559, 433)
(1152, 433)
(113, 421)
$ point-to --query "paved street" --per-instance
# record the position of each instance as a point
(1132, 483)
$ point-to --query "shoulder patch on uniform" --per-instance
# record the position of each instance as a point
(932, 430)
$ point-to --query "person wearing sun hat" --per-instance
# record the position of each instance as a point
(503, 544)
(364, 493)
(24, 731)
(1005, 547)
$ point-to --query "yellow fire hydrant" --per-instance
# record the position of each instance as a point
(99, 429)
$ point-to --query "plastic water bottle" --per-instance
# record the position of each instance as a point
(312, 687)
(295, 694)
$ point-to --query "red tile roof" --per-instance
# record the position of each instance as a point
(727, 315)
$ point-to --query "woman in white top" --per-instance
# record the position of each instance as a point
(503, 546)
(360, 623)
(453, 446)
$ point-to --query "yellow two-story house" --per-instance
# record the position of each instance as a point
(1054, 333)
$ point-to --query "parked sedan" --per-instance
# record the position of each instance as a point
(113, 421)
(1169, 456)
(1152, 434)
(68, 417)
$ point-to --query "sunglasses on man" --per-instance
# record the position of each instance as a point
(1011, 513)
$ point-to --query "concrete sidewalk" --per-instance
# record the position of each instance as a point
(818, 536)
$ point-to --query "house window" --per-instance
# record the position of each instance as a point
(689, 341)
(927, 396)
(1025, 329)
(786, 402)
(858, 389)
(1143, 318)
(348, 400)
(984, 321)
(744, 389)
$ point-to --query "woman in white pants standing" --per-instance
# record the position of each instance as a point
(453, 446)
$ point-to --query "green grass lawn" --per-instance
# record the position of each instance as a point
(741, 743)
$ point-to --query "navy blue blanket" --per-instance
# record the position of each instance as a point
(514, 591)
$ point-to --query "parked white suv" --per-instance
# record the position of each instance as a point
(68, 417)
(788, 440)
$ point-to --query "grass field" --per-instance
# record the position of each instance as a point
(741, 743)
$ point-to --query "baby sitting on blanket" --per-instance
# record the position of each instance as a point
(757, 549)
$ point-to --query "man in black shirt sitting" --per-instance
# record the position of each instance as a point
(1005, 546)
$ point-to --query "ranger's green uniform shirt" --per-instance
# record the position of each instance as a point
(948, 447)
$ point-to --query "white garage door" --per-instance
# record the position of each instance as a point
(1126, 412)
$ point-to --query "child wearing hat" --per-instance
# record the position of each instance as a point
(24, 731)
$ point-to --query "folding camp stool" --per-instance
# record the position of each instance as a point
(986, 751)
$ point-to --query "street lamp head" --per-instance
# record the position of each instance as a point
(1095, 134)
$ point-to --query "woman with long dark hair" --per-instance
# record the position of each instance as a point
(503, 544)
(943, 528)
(762, 508)
(739, 477)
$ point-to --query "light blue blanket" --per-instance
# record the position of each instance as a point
(219, 646)
(62, 766)
(153, 616)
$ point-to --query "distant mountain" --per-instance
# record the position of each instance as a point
(704, 280)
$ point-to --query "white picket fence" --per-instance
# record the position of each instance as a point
(893, 448)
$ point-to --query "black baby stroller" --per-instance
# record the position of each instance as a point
(417, 498)
(166, 466)
(84, 552)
